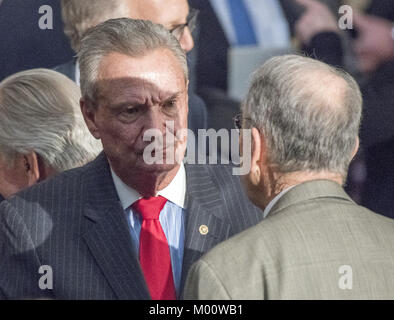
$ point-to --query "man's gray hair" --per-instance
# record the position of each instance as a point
(40, 112)
(309, 112)
(81, 15)
(134, 38)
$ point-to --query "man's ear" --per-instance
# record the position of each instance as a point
(32, 169)
(89, 115)
(356, 148)
(257, 152)
(35, 169)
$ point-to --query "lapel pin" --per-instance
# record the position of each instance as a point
(203, 229)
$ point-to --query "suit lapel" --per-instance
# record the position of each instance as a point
(107, 234)
(205, 226)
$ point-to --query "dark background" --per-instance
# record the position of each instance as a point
(23, 45)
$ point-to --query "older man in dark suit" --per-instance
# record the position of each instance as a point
(123, 226)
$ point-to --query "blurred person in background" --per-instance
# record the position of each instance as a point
(373, 48)
(234, 36)
(42, 131)
(226, 25)
(175, 15)
(235, 23)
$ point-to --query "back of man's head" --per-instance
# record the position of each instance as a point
(309, 113)
(134, 38)
(79, 16)
(40, 112)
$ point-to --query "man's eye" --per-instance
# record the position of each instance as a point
(170, 103)
(131, 111)
(129, 114)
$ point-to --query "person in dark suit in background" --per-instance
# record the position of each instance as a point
(378, 193)
(270, 22)
(24, 45)
(92, 226)
(228, 24)
(79, 16)
(42, 131)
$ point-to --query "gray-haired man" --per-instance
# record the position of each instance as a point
(42, 131)
(316, 243)
(120, 227)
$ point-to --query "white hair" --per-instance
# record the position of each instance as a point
(40, 112)
(134, 38)
(81, 15)
(309, 112)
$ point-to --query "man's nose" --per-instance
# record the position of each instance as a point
(187, 42)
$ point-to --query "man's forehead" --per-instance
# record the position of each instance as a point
(158, 75)
(155, 65)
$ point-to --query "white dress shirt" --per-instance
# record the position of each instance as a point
(171, 217)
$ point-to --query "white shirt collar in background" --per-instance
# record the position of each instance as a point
(275, 200)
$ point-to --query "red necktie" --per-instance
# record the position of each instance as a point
(154, 253)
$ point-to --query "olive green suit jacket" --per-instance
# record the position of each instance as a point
(316, 243)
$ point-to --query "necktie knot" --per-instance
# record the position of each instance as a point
(150, 207)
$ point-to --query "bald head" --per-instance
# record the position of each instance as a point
(309, 112)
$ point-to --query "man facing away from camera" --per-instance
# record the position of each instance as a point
(122, 227)
(315, 243)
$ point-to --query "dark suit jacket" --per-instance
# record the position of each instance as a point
(378, 192)
(197, 117)
(75, 224)
(212, 44)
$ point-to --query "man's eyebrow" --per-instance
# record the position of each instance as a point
(175, 24)
(127, 103)
(173, 96)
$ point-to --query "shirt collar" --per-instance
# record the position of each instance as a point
(275, 200)
(174, 192)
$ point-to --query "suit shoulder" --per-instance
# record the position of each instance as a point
(221, 175)
(58, 186)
